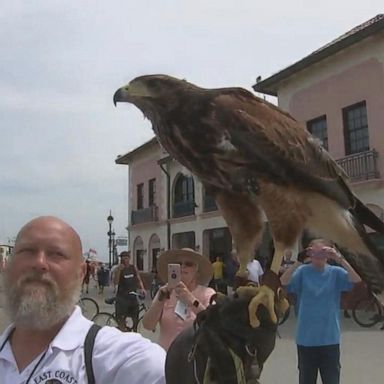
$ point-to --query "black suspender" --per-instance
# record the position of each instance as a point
(88, 349)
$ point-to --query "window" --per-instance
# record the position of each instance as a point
(140, 196)
(356, 128)
(183, 240)
(318, 128)
(155, 255)
(184, 189)
(140, 259)
(209, 202)
(151, 192)
(183, 197)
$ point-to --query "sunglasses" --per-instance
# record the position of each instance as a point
(186, 263)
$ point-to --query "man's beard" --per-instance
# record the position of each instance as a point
(35, 300)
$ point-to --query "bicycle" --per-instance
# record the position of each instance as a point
(109, 319)
(368, 312)
(89, 307)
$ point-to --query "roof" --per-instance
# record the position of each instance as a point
(126, 159)
(372, 26)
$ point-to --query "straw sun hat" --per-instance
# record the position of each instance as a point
(204, 271)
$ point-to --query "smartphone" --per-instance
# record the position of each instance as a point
(318, 253)
(174, 275)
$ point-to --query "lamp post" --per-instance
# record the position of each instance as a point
(113, 247)
(110, 245)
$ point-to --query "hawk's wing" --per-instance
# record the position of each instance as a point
(265, 139)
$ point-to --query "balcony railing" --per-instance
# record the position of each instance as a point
(145, 215)
(209, 204)
(361, 166)
(184, 208)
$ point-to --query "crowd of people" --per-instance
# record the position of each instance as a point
(46, 274)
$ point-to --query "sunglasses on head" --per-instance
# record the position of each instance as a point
(186, 263)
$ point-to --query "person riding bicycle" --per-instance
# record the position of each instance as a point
(128, 281)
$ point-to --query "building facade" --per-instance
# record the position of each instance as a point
(169, 209)
(337, 92)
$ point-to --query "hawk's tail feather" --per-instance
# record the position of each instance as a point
(375, 251)
(370, 267)
(360, 211)
(332, 222)
(365, 216)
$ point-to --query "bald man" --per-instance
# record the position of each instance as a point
(46, 340)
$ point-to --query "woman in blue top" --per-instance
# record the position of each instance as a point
(318, 287)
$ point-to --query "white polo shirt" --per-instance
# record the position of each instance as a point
(254, 271)
(118, 358)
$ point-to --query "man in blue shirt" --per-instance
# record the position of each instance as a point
(318, 287)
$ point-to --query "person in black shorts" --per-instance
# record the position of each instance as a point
(86, 277)
(128, 280)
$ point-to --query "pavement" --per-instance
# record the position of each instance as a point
(362, 349)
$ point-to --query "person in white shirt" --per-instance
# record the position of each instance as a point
(255, 271)
(45, 342)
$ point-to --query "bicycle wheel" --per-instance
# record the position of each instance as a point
(105, 318)
(89, 307)
(366, 312)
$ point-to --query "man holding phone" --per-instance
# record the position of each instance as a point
(318, 287)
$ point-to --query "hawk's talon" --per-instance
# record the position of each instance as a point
(261, 295)
(265, 296)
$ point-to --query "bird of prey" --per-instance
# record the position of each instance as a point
(254, 158)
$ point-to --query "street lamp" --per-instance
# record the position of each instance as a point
(113, 247)
(110, 245)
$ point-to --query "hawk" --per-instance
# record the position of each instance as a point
(256, 159)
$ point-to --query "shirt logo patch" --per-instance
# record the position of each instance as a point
(55, 377)
(129, 276)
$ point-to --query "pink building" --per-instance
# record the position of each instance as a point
(169, 209)
(337, 92)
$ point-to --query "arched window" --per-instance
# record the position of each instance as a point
(154, 251)
(183, 196)
(138, 251)
(184, 189)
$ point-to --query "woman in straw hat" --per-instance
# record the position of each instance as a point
(196, 272)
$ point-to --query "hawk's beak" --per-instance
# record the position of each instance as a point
(121, 95)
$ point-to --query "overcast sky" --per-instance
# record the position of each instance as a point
(61, 61)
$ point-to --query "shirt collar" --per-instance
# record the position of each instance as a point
(3, 337)
(72, 334)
